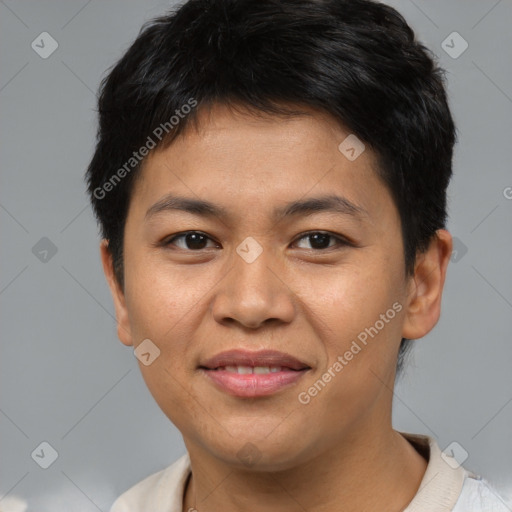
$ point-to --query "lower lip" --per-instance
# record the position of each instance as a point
(253, 384)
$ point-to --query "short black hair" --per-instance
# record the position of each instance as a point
(357, 60)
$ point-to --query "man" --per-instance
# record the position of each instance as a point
(270, 179)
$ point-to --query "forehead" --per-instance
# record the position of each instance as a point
(236, 127)
(239, 160)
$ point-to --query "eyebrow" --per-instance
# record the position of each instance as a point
(329, 203)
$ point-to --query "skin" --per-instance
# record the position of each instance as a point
(310, 302)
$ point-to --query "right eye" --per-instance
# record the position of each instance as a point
(190, 240)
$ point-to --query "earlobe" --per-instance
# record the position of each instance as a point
(123, 324)
(426, 287)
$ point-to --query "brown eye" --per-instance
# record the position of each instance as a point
(191, 240)
(319, 240)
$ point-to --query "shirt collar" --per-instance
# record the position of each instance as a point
(438, 492)
(442, 482)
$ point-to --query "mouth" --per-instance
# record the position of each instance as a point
(253, 374)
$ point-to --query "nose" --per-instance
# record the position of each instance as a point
(253, 294)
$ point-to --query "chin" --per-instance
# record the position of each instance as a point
(256, 453)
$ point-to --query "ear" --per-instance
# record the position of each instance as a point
(425, 287)
(123, 324)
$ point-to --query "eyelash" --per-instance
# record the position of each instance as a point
(341, 241)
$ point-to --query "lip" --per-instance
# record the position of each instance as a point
(253, 385)
(238, 357)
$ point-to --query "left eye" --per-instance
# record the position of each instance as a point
(320, 240)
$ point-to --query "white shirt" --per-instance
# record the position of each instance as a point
(444, 487)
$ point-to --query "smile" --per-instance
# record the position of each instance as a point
(252, 382)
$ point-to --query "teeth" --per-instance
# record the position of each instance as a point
(261, 369)
(249, 369)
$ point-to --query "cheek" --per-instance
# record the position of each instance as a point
(360, 349)
(161, 298)
(164, 306)
(348, 299)
(361, 311)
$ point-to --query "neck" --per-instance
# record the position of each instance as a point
(366, 472)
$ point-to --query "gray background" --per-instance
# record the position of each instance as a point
(67, 380)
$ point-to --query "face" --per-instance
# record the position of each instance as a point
(269, 264)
